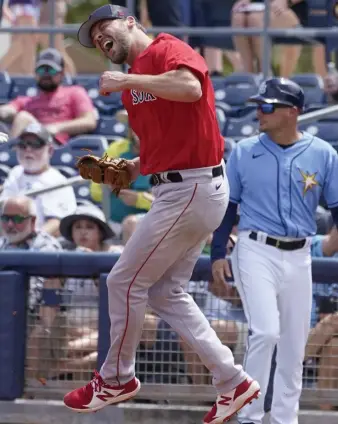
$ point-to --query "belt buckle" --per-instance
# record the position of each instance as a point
(277, 244)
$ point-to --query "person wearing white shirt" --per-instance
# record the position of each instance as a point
(34, 149)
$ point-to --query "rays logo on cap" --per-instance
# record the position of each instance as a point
(262, 88)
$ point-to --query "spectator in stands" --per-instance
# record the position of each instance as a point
(215, 13)
(322, 345)
(284, 14)
(20, 57)
(65, 111)
(18, 226)
(34, 150)
(131, 204)
(331, 87)
(88, 231)
(60, 17)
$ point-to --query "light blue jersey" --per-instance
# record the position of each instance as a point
(279, 188)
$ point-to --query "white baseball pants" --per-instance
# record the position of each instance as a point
(276, 291)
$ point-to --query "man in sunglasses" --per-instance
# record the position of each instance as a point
(34, 149)
(64, 110)
(278, 178)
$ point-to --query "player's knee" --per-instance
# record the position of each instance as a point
(267, 337)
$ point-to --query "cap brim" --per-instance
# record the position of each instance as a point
(67, 222)
(49, 63)
(83, 34)
(261, 99)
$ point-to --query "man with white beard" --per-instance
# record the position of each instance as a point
(34, 149)
(17, 220)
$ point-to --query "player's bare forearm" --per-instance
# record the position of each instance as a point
(179, 85)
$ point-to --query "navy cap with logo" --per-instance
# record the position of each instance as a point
(39, 131)
(50, 57)
(108, 11)
(280, 91)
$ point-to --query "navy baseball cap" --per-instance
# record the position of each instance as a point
(280, 91)
(108, 11)
(50, 57)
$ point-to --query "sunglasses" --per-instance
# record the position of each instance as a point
(43, 70)
(268, 108)
(16, 219)
(37, 144)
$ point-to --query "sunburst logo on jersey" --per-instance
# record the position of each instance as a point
(309, 181)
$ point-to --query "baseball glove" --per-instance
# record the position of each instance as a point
(105, 170)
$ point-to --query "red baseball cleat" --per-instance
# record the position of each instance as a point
(97, 394)
(229, 404)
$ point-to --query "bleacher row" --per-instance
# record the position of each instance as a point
(237, 117)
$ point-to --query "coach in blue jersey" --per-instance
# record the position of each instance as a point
(277, 177)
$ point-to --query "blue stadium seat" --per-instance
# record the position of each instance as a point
(246, 126)
(327, 129)
(313, 85)
(23, 85)
(239, 86)
(67, 171)
(109, 126)
(82, 193)
(63, 156)
(104, 104)
(5, 87)
(7, 155)
(95, 143)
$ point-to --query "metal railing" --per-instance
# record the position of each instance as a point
(308, 34)
(71, 336)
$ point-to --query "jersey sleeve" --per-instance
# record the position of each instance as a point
(178, 54)
(20, 103)
(233, 175)
(330, 189)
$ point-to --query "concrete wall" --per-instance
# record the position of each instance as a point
(54, 412)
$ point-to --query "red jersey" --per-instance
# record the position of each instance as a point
(173, 135)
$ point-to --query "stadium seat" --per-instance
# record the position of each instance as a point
(67, 171)
(23, 85)
(95, 143)
(82, 193)
(8, 155)
(238, 128)
(239, 86)
(63, 156)
(313, 85)
(326, 129)
(105, 104)
(5, 87)
(110, 127)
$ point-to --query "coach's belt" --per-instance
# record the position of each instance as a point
(176, 177)
(280, 244)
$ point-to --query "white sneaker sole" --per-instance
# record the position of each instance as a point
(117, 399)
(252, 393)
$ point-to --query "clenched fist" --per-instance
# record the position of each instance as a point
(112, 82)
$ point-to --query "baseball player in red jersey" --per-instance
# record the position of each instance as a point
(170, 102)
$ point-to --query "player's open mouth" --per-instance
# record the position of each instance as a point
(107, 46)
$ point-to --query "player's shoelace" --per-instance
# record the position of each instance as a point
(96, 382)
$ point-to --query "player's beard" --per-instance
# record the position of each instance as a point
(122, 43)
